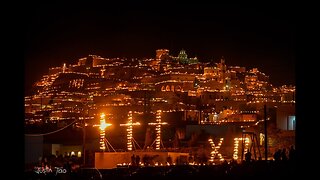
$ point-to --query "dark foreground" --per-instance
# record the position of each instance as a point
(251, 170)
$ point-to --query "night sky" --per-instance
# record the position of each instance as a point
(257, 36)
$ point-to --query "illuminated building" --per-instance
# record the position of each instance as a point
(256, 80)
(162, 54)
(210, 72)
(183, 58)
(124, 84)
(285, 117)
(238, 69)
(192, 95)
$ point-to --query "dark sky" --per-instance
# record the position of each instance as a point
(257, 36)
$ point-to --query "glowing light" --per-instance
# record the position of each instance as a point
(102, 116)
(236, 147)
(64, 67)
(130, 131)
(261, 138)
(215, 150)
(103, 125)
(158, 128)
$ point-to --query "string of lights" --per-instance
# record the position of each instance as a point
(130, 124)
(43, 134)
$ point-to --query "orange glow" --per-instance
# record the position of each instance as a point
(103, 125)
(130, 131)
(158, 124)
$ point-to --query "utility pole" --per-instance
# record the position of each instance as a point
(84, 133)
(84, 141)
(265, 133)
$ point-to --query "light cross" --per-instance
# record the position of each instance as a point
(130, 125)
(102, 126)
(158, 124)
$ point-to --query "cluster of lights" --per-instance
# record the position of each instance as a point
(236, 147)
(48, 80)
(78, 83)
(172, 88)
(103, 125)
(172, 81)
(180, 73)
(215, 150)
(158, 128)
(142, 164)
(129, 132)
(130, 125)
